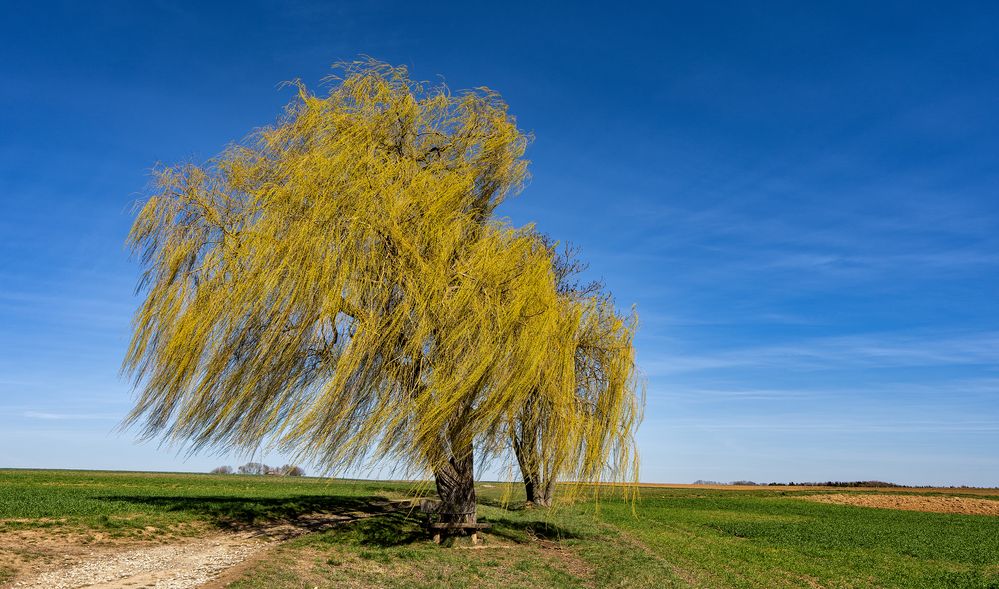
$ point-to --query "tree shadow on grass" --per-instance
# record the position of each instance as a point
(523, 532)
(391, 529)
(373, 520)
(235, 512)
(519, 505)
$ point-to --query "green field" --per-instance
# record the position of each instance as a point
(680, 537)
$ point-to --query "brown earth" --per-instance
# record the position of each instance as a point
(732, 487)
(992, 492)
(69, 560)
(173, 566)
(934, 503)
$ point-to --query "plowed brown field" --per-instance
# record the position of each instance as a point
(934, 504)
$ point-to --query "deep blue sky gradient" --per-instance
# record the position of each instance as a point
(801, 200)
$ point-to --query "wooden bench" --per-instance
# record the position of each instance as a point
(432, 514)
(440, 528)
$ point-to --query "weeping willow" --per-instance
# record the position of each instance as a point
(581, 427)
(338, 285)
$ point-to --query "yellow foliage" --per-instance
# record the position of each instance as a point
(580, 426)
(338, 284)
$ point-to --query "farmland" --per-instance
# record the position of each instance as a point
(314, 533)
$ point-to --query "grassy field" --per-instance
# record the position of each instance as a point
(681, 537)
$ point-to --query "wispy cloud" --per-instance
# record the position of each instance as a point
(98, 311)
(70, 416)
(861, 351)
(893, 226)
(836, 426)
(968, 389)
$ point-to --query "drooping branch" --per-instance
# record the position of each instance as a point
(337, 285)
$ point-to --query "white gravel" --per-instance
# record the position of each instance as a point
(180, 566)
(187, 565)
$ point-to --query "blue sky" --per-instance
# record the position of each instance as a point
(801, 201)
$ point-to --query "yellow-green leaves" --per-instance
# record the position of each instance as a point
(337, 285)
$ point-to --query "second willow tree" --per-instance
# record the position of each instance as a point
(337, 286)
(598, 342)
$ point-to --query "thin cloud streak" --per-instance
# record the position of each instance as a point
(790, 425)
(69, 416)
(839, 353)
(974, 389)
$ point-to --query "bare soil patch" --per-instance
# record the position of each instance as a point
(60, 559)
(177, 566)
(935, 503)
(900, 490)
(25, 553)
(733, 487)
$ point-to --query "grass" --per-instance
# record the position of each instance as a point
(690, 537)
(761, 539)
(126, 504)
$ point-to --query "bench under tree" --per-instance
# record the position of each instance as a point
(441, 524)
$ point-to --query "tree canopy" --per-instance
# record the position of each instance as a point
(338, 285)
(603, 378)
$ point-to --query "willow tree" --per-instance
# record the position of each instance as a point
(594, 367)
(337, 286)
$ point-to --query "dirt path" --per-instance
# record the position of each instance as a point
(178, 566)
(187, 564)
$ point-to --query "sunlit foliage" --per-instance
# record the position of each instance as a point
(338, 286)
(597, 362)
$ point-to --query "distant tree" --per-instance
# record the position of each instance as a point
(290, 470)
(225, 469)
(255, 468)
(339, 286)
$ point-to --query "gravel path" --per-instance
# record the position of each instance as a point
(179, 566)
(193, 563)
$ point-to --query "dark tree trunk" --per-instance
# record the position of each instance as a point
(545, 494)
(539, 491)
(531, 490)
(456, 488)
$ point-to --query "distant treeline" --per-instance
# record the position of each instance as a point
(839, 484)
(853, 484)
(288, 470)
(804, 484)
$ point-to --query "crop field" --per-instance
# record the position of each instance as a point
(304, 532)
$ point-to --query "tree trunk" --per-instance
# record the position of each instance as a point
(545, 493)
(531, 490)
(456, 488)
(524, 449)
(538, 490)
